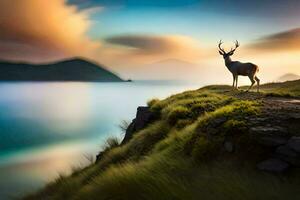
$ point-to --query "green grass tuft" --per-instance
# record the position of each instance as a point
(181, 155)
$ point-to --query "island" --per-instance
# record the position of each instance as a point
(76, 69)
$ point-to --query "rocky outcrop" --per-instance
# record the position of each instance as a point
(285, 149)
(294, 143)
(284, 154)
(288, 155)
(277, 129)
(228, 146)
(143, 117)
(273, 165)
(272, 140)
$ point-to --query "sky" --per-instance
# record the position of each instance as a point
(130, 36)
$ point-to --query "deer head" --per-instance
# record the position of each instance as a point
(230, 53)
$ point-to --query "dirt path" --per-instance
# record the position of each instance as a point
(275, 102)
(284, 104)
(280, 112)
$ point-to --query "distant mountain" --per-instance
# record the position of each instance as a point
(173, 62)
(68, 70)
(172, 69)
(288, 77)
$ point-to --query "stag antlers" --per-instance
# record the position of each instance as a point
(222, 51)
(232, 50)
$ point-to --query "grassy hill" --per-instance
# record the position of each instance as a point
(204, 144)
(288, 88)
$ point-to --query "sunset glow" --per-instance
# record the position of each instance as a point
(127, 36)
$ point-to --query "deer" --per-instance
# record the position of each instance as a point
(238, 68)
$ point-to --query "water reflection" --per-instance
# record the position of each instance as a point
(26, 171)
(52, 104)
(47, 128)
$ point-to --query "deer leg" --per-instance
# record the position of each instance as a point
(252, 81)
(233, 81)
(236, 82)
(258, 81)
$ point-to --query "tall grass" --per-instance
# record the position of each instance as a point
(181, 156)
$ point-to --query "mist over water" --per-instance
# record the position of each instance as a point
(46, 129)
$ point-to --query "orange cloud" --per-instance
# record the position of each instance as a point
(39, 31)
(146, 48)
(283, 41)
(36, 30)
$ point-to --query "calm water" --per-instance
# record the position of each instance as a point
(46, 129)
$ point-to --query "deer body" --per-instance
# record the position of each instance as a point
(238, 68)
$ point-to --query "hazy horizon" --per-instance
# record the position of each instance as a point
(127, 36)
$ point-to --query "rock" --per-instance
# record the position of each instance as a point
(286, 151)
(260, 119)
(294, 115)
(272, 141)
(143, 117)
(273, 165)
(228, 146)
(219, 121)
(99, 156)
(294, 143)
(287, 154)
(129, 132)
(212, 131)
(213, 127)
(254, 121)
(271, 136)
(295, 161)
(264, 130)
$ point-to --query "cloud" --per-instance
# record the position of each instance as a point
(283, 41)
(144, 44)
(137, 3)
(35, 30)
(144, 47)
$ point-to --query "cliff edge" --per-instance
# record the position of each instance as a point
(210, 143)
